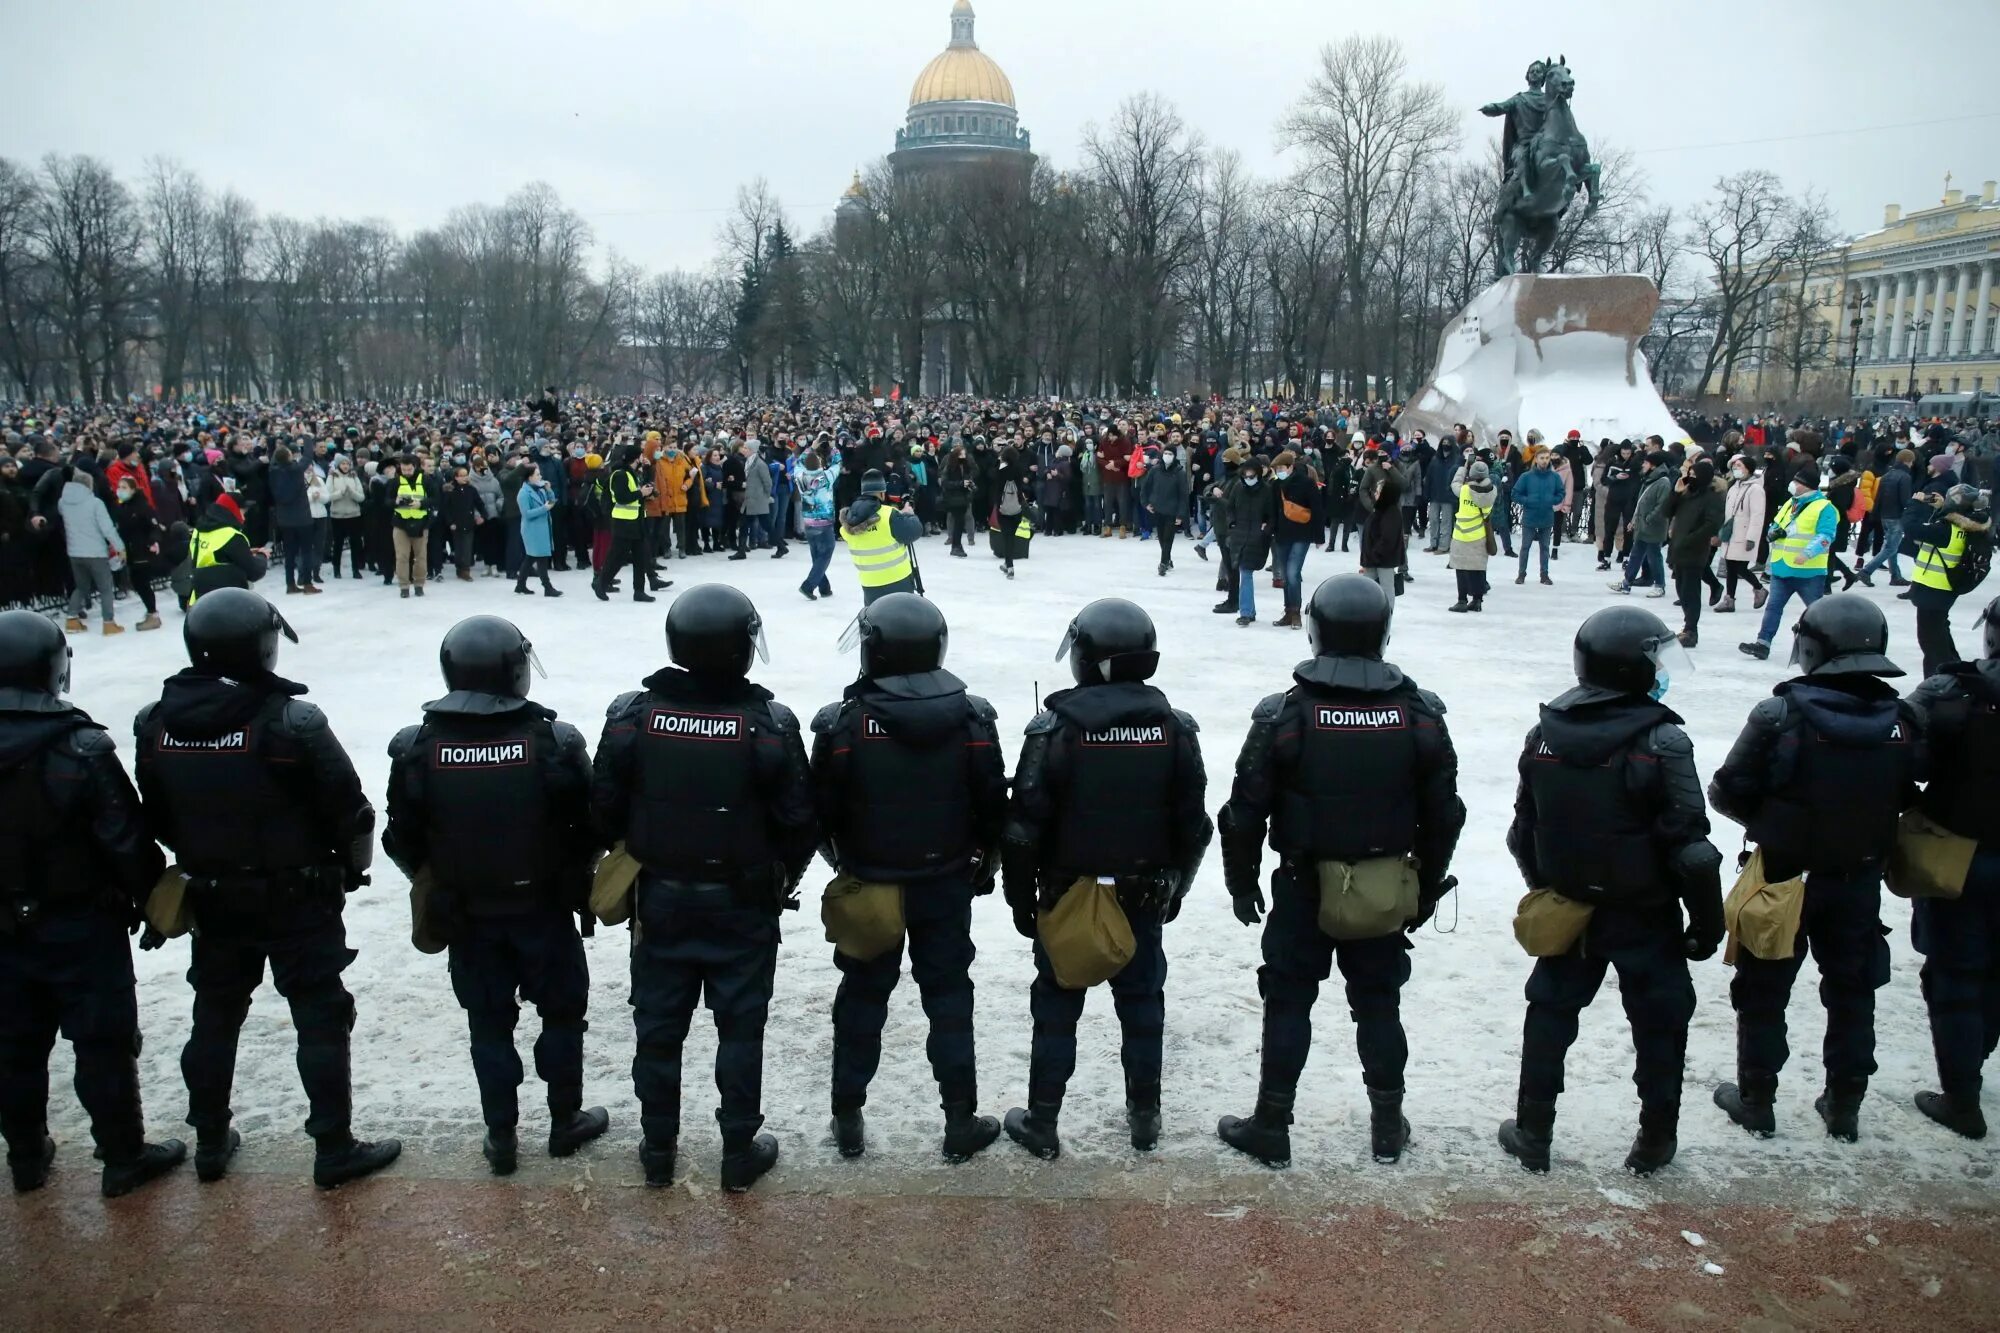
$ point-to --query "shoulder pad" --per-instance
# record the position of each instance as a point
(1186, 722)
(1043, 723)
(1773, 712)
(301, 718)
(981, 709)
(92, 740)
(1270, 706)
(827, 718)
(783, 718)
(624, 703)
(404, 741)
(1430, 703)
(1668, 740)
(144, 716)
(566, 735)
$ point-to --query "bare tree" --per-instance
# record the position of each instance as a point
(1750, 233)
(23, 344)
(87, 232)
(180, 246)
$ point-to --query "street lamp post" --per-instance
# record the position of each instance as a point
(1918, 327)
(1858, 304)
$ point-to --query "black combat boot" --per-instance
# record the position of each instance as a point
(850, 1131)
(123, 1173)
(1748, 1103)
(212, 1151)
(965, 1133)
(338, 1161)
(1388, 1131)
(1266, 1135)
(1142, 1114)
(1656, 1144)
(31, 1169)
(658, 1159)
(576, 1129)
(1840, 1107)
(746, 1159)
(1035, 1128)
(1527, 1135)
(501, 1150)
(1960, 1115)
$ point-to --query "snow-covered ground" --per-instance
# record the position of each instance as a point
(371, 660)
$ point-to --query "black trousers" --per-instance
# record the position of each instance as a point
(937, 915)
(1688, 584)
(1960, 941)
(539, 957)
(1645, 947)
(1138, 993)
(1934, 638)
(627, 548)
(70, 973)
(1298, 956)
(1842, 926)
(306, 947)
(686, 950)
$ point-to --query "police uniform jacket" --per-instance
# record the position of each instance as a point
(908, 779)
(1110, 784)
(706, 783)
(1352, 764)
(1960, 712)
(1820, 772)
(236, 565)
(493, 795)
(73, 837)
(1609, 809)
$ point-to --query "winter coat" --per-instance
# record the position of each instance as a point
(1165, 490)
(1246, 515)
(315, 492)
(492, 498)
(129, 467)
(137, 526)
(1893, 495)
(956, 484)
(670, 480)
(1410, 471)
(1055, 484)
(1649, 519)
(815, 485)
(537, 530)
(1471, 553)
(1384, 538)
(1743, 511)
(756, 487)
(1694, 517)
(1538, 492)
(88, 532)
(289, 505)
(1438, 484)
(344, 495)
(1302, 489)
(1093, 478)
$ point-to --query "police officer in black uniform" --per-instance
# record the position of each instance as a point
(246, 785)
(1352, 764)
(1609, 813)
(1110, 786)
(75, 865)
(1960, 937)
(703, 776)
(911, 790)
(1818, 778)
(491, 795)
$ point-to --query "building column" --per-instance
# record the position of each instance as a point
(1982, 321)
(1961, 326)
(1897, 323)
(1934, 341)
(1877, 348)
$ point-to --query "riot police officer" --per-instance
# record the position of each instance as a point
(1110, 786)
(911, 790)
(491, 796)
(703, 776)
(246, 785)
(1352, 765)
(1818, 778)
(1609, 813)
(1960, 713)
(75, 865)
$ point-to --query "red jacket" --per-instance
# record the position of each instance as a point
(1114, 455)
(130, 467)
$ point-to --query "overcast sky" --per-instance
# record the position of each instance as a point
(646, 114)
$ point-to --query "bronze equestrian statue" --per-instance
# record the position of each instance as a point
(1546, 160)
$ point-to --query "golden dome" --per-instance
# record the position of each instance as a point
(962, 72)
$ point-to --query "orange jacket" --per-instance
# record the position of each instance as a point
(670, 477)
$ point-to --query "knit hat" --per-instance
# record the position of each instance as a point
(873, 484)
(1942, 464)
(1477, 472)
(1808, 475)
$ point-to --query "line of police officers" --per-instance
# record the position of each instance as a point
(705, 780)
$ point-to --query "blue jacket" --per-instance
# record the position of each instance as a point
(537, 539)
(1437, 479)
(550, 465)
(1538, 492)
(1822, 540)
(816, 493)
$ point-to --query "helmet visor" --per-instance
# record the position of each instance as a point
(534, 660)
(284, 626)
(757, 641)
(1670, 663)
(850, 638)
(1068, 642)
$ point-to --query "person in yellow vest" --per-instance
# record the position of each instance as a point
(1802, 535)
(628, 491)
(1958, 518)
(413, 503)
(879, 540)
(221, 555)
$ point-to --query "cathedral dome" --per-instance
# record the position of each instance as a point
(962, 72)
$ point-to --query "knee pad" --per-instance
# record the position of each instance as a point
(324, 1013)
(739, 1027)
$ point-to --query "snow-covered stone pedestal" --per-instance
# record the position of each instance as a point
(1547, 352)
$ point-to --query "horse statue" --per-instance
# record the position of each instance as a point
(1547, 160)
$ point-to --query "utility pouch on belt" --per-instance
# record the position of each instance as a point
(1762, 917)
(1086, 934)
(1548, 925)
(1930, 861)
(170, 907)
(611, 886)
(1365, 900)
(424, 932)
(862, 920)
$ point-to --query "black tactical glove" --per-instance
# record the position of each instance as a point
(1700, 944)
(1249, 907)
(984, 873)
(150, 938)
(1024, 921)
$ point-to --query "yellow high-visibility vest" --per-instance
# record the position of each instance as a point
(1470, 523)
(208, 545)
(1801, 526)
(1935, 563)
(624, 510)
(411, 500)
(879, 558)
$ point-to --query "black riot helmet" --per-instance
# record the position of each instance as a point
(1990, 618)
(1350, 617)
(712, 630)
(488, 655)
(1110, 640)
(233, 632)
(1844, 634)
(33, 653)
(1629, 650)
(900, 635)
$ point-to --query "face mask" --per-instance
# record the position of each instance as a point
(576, 451)
(1801, 490)
(1250, 480)
(1662, 682)
(1169, 456)
(1282, 473)
(1739, 473)
(126, 492)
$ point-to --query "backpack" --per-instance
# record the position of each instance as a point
(1975, 562)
